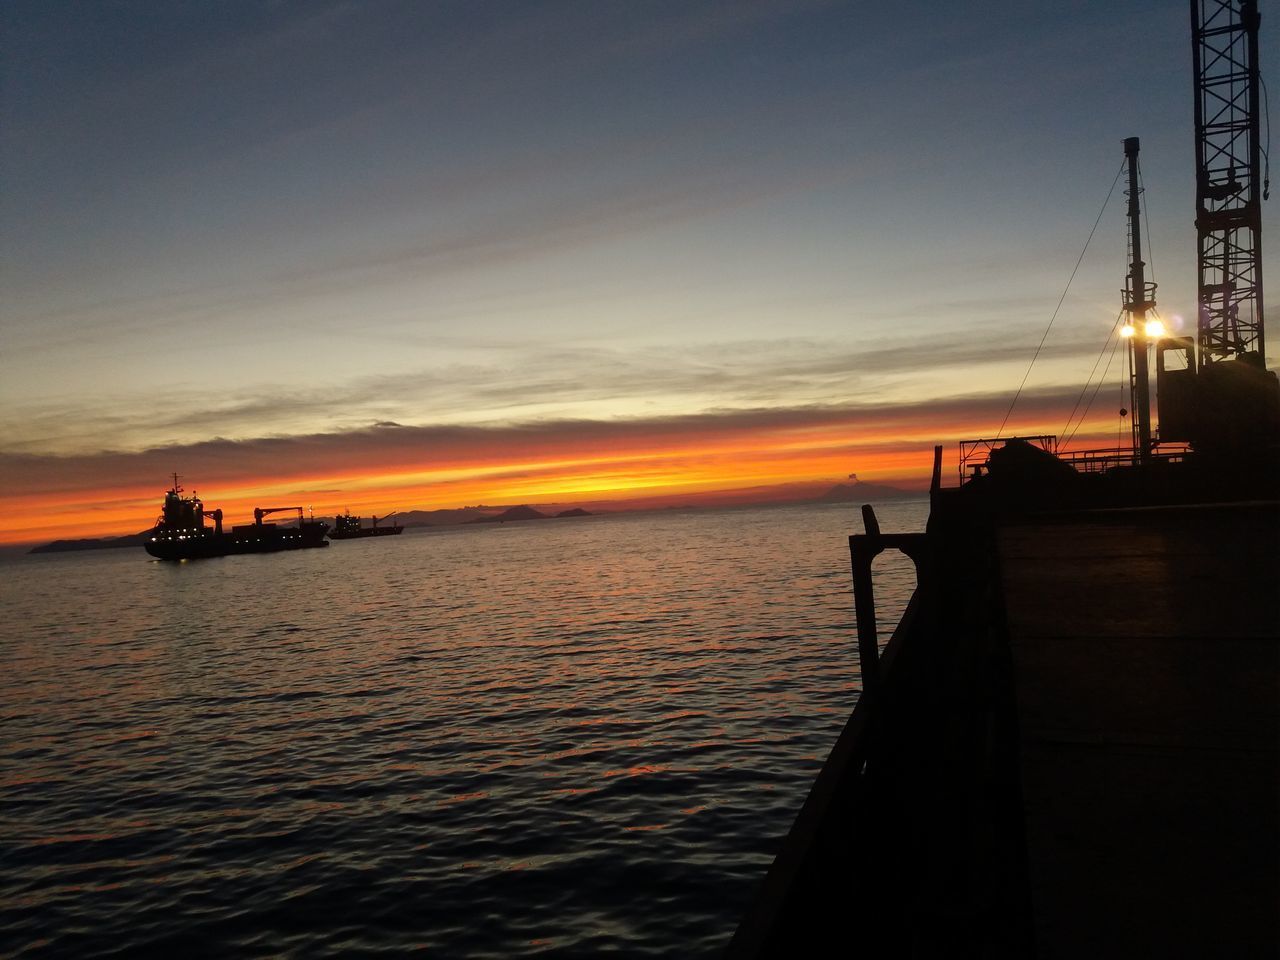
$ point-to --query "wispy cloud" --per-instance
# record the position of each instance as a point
(525, 382)
(375, 451)
(574, 460)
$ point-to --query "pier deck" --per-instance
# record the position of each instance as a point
(1073, 750)
(1146, 656)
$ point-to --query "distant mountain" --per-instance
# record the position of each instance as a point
(575, 512)
(514, 513)
(477, 514)
(88, 543)
(444, 518)
(858, 492)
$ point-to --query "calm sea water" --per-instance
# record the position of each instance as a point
(561, 738)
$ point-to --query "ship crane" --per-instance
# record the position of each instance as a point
(1217, 393)
(217, 520)
(260, 512)
(1229, 190)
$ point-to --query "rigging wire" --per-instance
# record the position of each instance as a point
(1266, 150)
(1052, 318)
(1085, 389)
(1146, 222)
(1120, 417)
(1101, 381)
(1126, 390)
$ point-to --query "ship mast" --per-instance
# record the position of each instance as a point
(1138, 299)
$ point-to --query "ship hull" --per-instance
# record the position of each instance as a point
(366, 532)
(208, 545)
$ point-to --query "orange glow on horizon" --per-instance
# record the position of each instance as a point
(652, 468)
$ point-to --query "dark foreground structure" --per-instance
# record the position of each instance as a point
(1146, 659)
(1071, 745)
(1069, 748)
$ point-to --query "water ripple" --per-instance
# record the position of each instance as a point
(562, 739)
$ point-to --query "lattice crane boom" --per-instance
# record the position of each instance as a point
(1228, 186)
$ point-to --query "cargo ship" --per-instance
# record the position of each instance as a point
(347, 527)
(180, 532)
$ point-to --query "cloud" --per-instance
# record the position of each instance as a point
(373, 451)
(524, 382)
(545, 213)
(563, 460)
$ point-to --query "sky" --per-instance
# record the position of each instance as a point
(378, 255)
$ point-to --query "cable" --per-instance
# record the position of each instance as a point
(1101, 380)
(1105, 343)
(1120, 417)
(1266, 151)
(1074, 270)
(1146, 222)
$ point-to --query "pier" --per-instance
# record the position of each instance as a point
(1070, 747)
(1146, 658)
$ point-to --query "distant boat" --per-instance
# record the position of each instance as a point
(180, 533)
(347, 527)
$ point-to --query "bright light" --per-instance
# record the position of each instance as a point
(1127, 330)
(1154, 328)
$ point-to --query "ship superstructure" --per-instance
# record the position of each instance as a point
(180, 532)
(347, 527)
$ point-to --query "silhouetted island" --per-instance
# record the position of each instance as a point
(444, 518)
(514, 513)
(91, 543)
(524, 512)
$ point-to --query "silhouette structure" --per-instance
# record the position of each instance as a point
(1070, 747)
(347, 527)
(180, 532)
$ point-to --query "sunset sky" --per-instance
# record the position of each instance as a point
(428, 254)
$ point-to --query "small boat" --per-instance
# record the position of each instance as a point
(347, 527)
(180, 532)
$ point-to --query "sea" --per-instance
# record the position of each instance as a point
(565, 738)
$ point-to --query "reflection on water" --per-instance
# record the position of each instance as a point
(560, 737)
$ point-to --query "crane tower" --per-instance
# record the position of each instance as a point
(1222, 396)
(1228, 188)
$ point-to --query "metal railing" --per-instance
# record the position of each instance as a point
(975, 455)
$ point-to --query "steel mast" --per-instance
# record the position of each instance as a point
(1139, 297)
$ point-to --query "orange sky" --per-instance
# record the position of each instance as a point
(721, 246)
(625, 464)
